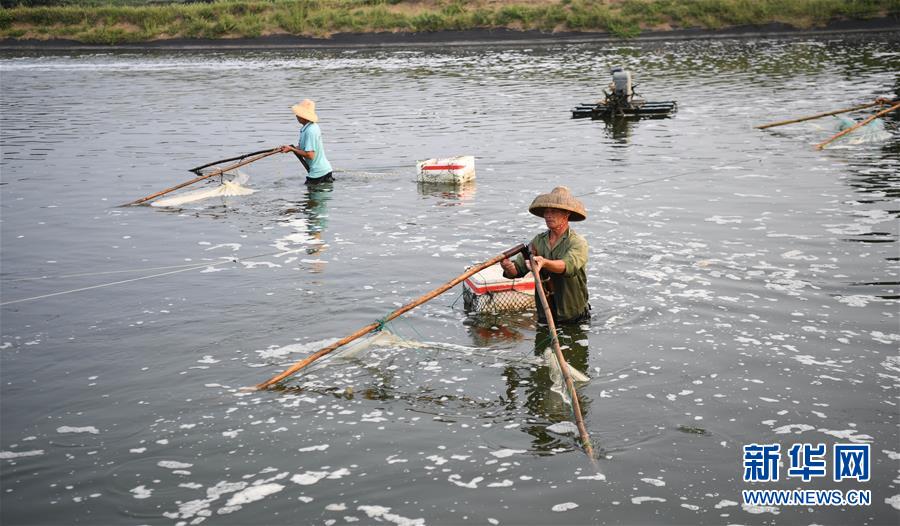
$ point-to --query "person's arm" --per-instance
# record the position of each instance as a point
(509, 269)
(555, 266)
(306, 154)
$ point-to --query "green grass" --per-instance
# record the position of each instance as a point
(123, 21)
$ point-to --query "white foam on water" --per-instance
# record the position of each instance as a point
(200, 507)
(852, 229)
(504, 484)
(503, 453)
(472, 484)
(725, 503)
(848, 434)
(641, 500)
(321, 447)
(311, 477)
(437, 459)
(789, 428)
(806, 359)
(894, 501)
(724, 220)
(4, 455)
(691, 507)
(564, 506)
(598, 476)
(274, 352)
(254, 264)
(857, 300)
(881, 337)
(253, 494)
(756, 510)
(381, 512)
(798, 255)
(141, 492)
(68, 429)
(655, 482)
(173, 464)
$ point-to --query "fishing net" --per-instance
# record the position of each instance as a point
(559, 383)
(873, 132)
(500, 301)
(228, 188)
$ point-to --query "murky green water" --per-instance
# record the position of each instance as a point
(744, 286)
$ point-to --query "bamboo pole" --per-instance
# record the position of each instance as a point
(563, 365)
(375, 325)
(207, 165)
(821, 145)
(202, 177)
(878, 102)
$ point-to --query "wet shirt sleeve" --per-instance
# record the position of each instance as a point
(576, 255)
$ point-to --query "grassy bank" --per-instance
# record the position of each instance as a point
(132, 21)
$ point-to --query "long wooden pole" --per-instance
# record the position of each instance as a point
(375, 325)
(204, 176)
(563, 365)
(235, 158)
(821, 145)
(878, 102)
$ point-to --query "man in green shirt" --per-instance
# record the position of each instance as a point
(561, 257)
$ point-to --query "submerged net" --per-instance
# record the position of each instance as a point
(873, 132)
(228, 188)
(559, 383)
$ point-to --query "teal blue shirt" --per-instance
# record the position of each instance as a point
(311, 140)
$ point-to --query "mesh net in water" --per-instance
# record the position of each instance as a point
(499, 301)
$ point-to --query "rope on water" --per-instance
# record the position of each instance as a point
(458, 295)
(85, 274)
(111, 284)
(648, 181)
(194, 266)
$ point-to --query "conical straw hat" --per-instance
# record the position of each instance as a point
(306, 109)
(562, 199)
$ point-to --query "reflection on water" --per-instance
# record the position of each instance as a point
(528, 386)
(315, 208)
(498, 330)
(535, 383)
(448, 194)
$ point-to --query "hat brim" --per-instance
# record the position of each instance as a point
(304, 113)
(574, 215)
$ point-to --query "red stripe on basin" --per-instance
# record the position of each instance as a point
(443, 167)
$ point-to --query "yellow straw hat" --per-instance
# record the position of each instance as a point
(306, 109)
(560, 198)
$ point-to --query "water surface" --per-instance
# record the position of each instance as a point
(744, 286)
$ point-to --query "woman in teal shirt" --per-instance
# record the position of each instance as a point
(310, 148)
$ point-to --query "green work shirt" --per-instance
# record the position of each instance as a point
(569, 289)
